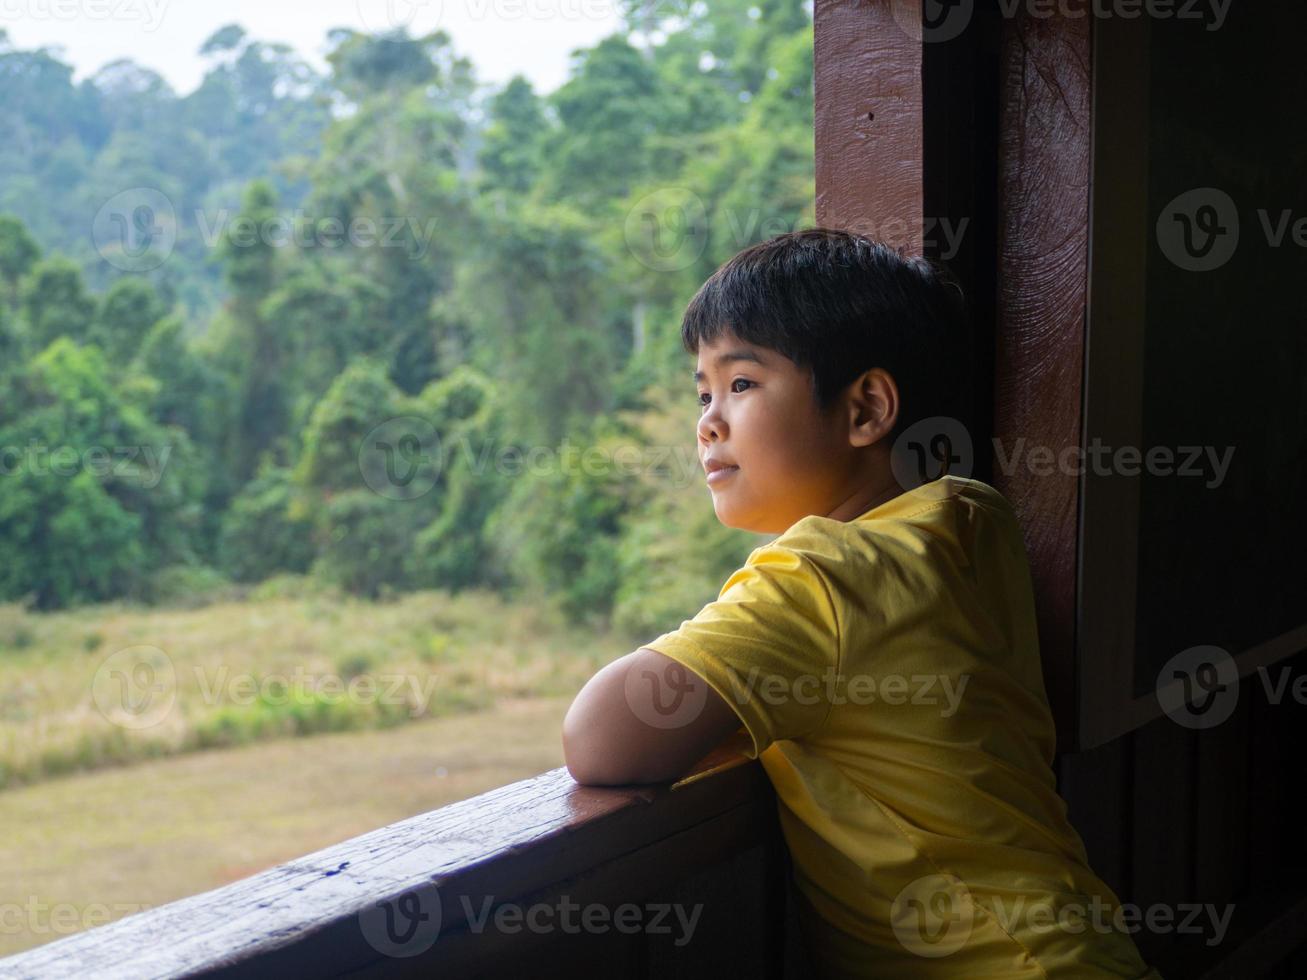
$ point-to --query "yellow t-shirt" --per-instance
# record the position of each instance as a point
(887, 671)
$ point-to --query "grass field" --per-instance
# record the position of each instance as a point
(95, 846)
(151, 753)
(115, 685)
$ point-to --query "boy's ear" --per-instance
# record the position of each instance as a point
(873, 407)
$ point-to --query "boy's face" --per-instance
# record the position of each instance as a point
(785, 459)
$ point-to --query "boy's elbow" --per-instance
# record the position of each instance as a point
(580, 752)
(596, 757)
(580, 760)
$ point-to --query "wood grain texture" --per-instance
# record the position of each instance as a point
(1043, 250)
(524, 839)
(868, 121)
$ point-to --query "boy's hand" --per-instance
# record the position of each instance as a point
(643, 719)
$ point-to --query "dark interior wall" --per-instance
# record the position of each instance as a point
(1170, 815)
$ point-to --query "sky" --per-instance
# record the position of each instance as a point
(501, 37)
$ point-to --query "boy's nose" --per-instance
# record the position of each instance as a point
(711, 427)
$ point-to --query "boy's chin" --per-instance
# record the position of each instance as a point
(740, 520)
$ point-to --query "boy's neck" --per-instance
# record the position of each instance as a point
(879, 489)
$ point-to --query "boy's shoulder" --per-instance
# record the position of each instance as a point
(950, 501)
(954, 521)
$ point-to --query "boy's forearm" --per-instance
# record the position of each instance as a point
(606, 742)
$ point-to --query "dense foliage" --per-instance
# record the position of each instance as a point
(382, 326)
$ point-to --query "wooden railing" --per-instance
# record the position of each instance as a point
(539, 878)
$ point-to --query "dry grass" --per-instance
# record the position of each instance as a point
(115, 685)
(103, 844)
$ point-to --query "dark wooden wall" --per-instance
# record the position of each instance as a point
(1169, 815)
(1002, 118)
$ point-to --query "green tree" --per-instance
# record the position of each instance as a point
(390, 172)
(260, 536)
(609, 110)
(252, 350)
(18, 253)
(55, 303)
(547, 332)
(126, 314)
(95, 491)
(510, 156)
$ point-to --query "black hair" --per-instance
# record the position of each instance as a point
(841, 304)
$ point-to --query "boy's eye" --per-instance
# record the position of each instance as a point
(705, 397)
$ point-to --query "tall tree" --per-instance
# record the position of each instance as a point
(55, 303)
(18, 253)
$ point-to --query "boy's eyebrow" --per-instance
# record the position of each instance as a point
(739, 354)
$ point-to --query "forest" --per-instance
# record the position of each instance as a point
(384, 328)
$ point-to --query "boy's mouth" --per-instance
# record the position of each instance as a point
(717, 470)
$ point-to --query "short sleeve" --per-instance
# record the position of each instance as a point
(769, 644)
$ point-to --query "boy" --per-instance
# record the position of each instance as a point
(880, 654)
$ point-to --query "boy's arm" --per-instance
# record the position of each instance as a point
(643, 719)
